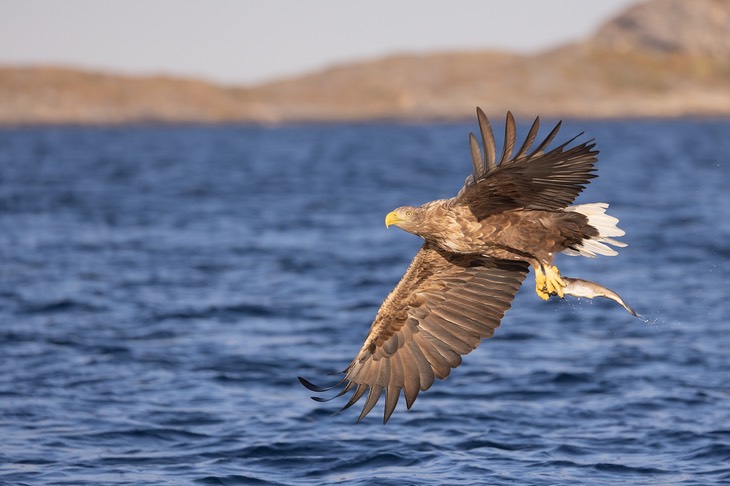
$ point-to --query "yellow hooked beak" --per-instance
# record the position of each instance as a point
(391, 218)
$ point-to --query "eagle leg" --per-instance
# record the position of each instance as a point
(548, 282)
(540, 283)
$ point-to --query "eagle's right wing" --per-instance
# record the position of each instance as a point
(442, 308)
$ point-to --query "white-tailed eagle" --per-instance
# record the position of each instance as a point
(514, 212)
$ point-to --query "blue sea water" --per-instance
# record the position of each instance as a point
(161, 288)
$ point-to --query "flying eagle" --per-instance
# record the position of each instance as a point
(513, 213)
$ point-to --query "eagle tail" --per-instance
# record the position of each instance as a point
(607, 228)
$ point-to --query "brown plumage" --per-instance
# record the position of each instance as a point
(512, 213)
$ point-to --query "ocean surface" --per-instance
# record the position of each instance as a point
(161, 288)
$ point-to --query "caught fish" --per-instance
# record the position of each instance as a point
(583, 288)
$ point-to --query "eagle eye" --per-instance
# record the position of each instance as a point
(409, 213)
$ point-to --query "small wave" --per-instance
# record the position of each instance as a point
(235, 480)
(249, 310)
(571, 450)
(372, 461)
(623, 469)
(139, 436)
(572, 378)
(719, 452)
(58, 306)
(489, 444)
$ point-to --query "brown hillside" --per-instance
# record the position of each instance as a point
(659, 58)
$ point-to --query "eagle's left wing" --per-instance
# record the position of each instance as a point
(541, 179)
(442, 308)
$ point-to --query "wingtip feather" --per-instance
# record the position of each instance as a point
(489, 145)
(315, 388)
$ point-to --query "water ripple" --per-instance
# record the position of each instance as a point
(161, 288)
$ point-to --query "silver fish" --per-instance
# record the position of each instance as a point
(583, 288)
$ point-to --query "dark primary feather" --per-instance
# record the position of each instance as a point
(490, 149)
(442, 308)
(510, 132)
(529, 140)
(539, 180)
(476, 157)
(541, 148)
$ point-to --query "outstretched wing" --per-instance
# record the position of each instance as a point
(441, 309)
(536, 180)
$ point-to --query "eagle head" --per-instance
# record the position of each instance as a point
(407, 218)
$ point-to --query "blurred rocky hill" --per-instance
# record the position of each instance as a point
(661, 58)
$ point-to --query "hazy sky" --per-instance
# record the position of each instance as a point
(248, 41)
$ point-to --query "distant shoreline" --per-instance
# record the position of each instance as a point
(371, 121)
(662, 59)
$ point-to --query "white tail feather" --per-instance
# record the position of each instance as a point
(605, 224)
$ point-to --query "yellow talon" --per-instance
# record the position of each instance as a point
(553, 282)
(549, 282)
